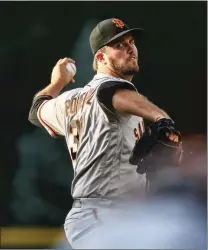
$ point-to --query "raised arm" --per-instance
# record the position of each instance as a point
(47, 105)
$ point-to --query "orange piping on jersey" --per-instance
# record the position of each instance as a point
(51, 131)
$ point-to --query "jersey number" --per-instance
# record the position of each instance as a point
(74, 138)
(75, 132)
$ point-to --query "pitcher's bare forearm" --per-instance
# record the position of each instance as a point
(52, 90)
(132, 102)
(60, 77)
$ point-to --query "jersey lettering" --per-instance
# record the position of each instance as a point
(75, 127)
(138, 132)
(74, 105)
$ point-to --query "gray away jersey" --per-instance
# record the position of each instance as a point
(99, 140)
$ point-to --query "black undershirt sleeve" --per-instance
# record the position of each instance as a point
(37, 101)
(107, 90)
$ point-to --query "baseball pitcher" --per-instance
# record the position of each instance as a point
(103, 127)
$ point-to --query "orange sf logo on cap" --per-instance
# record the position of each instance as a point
(118, 23)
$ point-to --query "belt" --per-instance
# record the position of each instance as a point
(91, 202)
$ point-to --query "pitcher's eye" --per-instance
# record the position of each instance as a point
(119, 45)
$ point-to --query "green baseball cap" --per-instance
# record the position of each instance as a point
(109, 30)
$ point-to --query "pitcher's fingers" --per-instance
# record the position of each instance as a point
(173, 137)
(67, 60)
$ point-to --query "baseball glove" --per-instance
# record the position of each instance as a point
(160, 146)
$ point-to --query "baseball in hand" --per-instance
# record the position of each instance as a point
(71, 68)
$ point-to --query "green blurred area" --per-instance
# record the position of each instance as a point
(36, 169)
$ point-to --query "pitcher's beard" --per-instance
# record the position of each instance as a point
(124, 70)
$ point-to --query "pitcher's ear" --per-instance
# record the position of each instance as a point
(99, 56)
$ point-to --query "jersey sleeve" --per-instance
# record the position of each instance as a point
(51, 114)
(107, 89)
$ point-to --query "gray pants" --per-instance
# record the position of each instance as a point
(83, 219)
(174, 221)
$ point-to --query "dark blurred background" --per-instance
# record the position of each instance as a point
(36, 171)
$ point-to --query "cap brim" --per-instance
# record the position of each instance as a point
(136, 32)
